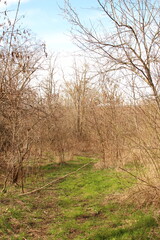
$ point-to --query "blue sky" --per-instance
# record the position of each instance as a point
(45, 19)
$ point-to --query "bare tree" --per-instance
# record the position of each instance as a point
(106, 118)
(78, 91)
(20, 57)
(133, 41)
(57, 130)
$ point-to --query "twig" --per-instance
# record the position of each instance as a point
(140, 179)
(54, 181)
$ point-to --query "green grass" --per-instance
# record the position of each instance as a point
(75, 207)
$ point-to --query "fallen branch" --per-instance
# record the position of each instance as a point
(54, 181)
(140, 179)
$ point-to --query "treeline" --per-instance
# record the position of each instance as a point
(85, 115)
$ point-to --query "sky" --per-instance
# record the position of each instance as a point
(46, 20)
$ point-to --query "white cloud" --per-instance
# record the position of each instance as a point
(59, 42)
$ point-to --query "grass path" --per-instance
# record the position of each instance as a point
(75, 208)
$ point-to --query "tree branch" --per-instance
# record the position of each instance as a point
(54, 181)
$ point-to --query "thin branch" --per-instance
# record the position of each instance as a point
(140, 179)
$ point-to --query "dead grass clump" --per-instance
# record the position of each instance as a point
(144, 196)
(139, 195)
(116, 197)
(101, 165)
